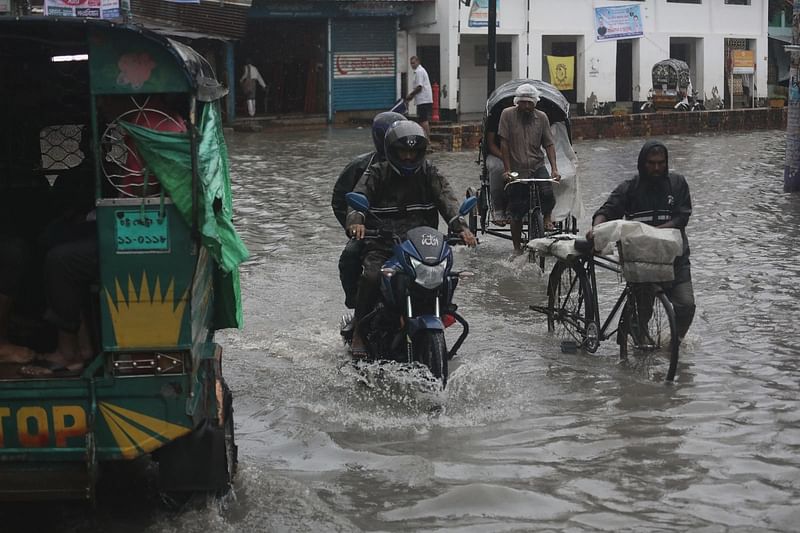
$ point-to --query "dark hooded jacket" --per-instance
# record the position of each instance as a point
(347, 181)
(406, 202)
(653, 201)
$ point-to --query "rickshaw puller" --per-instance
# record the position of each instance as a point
(524, 131)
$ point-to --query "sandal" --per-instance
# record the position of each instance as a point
(501, 222)
(360, 353)
(43, 368)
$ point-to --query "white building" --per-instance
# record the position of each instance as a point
(451, 42)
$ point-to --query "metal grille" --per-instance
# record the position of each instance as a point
(61, 146)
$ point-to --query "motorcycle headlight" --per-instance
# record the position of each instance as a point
(428, 276)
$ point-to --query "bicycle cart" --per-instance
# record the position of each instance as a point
(568, 204)
(646, 325)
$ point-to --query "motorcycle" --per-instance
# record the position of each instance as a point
(416, 298)
(690, 103)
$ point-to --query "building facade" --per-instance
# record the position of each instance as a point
(610, 68)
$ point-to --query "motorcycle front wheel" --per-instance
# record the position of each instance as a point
(430, 349)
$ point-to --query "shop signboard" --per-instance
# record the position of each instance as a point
(5, 6)
(94, 9)
(363, 64)
(618, 22)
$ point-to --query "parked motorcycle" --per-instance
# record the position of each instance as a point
(416, 297)
(690, 103)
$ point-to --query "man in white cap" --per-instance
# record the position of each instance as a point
(524, 131)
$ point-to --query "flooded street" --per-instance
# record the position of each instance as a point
(529, 438)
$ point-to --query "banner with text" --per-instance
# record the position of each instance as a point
(562, 72)
(93, 9)
(617, 22)
(5, 6)
(479, 14)
(363, 64)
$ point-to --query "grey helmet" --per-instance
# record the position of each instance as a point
(408, 135)
(380, 124)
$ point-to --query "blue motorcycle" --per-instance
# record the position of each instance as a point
(416, 297)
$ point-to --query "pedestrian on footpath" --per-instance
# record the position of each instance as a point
(249, 78)
(422, 95)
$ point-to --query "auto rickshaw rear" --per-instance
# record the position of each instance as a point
(135, 116)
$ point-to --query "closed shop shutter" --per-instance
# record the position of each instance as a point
(364, 63)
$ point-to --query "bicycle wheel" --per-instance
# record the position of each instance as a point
(647, 327)
(570, 311)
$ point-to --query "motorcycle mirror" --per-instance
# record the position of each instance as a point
(357, 201)
(468, 205)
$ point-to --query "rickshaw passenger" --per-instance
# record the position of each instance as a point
(494, 162)
(13, 262)
(659, 198)
(350, 259)
(524, 131)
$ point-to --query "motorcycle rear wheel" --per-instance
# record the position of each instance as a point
(430, 349)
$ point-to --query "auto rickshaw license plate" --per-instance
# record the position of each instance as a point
(141, 232)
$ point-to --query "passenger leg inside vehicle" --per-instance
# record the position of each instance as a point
(10, 352)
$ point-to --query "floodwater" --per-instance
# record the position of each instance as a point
(527, 437)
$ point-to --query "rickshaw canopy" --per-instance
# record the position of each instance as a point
(671, 74)
(552, 101)
(58, 36)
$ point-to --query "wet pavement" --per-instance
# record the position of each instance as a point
(528, 438)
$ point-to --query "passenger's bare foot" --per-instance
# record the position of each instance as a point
(14, 353)
(54, 364)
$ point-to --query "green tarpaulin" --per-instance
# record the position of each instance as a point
(168, 156)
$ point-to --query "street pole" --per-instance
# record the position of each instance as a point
(491, 63)
(791, 169)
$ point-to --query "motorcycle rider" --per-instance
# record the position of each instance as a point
(406, 191)
(350, 259)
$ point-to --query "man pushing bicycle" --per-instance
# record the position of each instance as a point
(659, 198)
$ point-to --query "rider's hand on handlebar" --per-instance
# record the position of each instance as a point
(556, 175)
(469, 238)
(356, 231)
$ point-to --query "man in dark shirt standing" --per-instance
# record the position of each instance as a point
(659, 198)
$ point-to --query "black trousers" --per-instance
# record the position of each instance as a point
(350, 270)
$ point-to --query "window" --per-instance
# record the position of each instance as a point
(503, 56)
(685, 1)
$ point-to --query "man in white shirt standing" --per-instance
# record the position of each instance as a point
(250, 77)
(422, 95)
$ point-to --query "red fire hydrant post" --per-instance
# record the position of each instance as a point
(435, 91)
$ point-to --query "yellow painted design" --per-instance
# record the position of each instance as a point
(136, 433)
(146, 319)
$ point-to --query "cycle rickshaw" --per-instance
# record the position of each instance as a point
(567, 193)
(671, 83)
(646, 329)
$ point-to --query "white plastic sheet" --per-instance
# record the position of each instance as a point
(568, 191)
(559, 246)
(647, 253)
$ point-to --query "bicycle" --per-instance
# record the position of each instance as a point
(647, 319)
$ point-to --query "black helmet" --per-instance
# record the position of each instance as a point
(380, 124)
(406, 135)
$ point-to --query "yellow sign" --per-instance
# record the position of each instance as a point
(562, 72)
(743, 61)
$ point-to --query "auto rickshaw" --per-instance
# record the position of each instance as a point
(136, 116)
(671, 83)
(567, 192)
